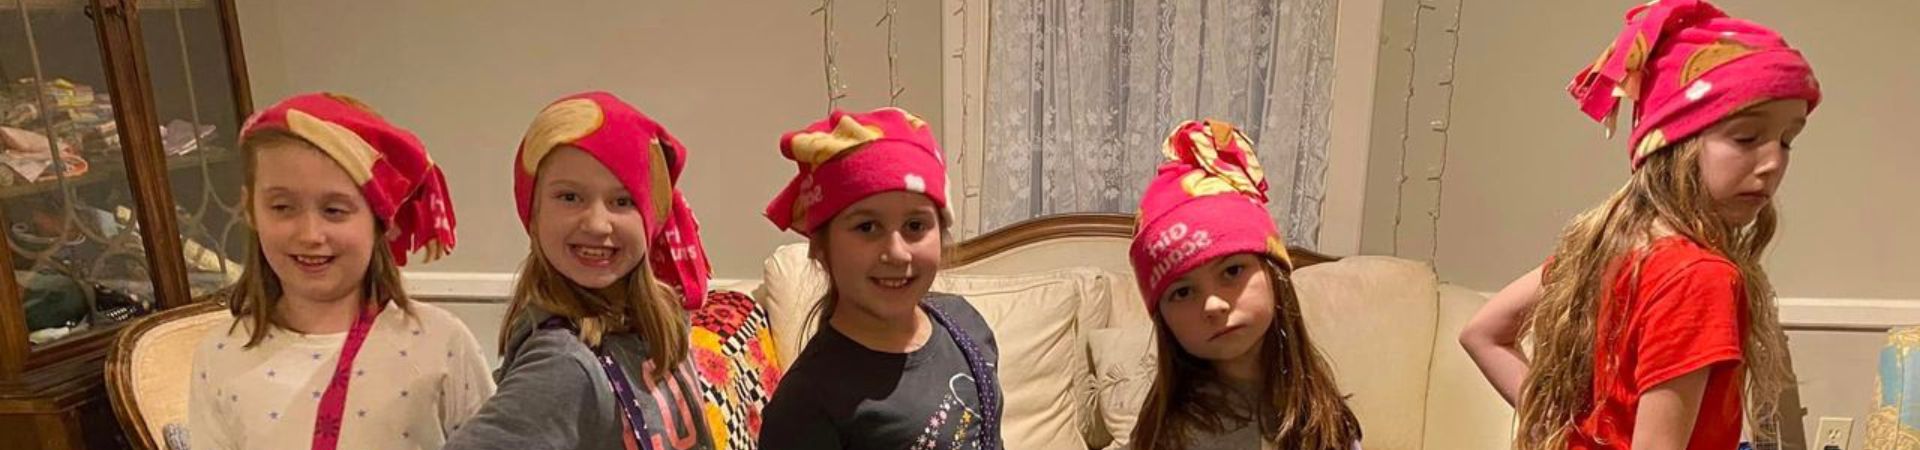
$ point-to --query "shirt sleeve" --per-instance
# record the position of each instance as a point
(542, 404)
(1689, 321)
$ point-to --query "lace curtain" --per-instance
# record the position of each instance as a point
(1080, 93)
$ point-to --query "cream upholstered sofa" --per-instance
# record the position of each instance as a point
(1075, 340)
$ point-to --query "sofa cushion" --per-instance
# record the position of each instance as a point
(1126, 309)
(1374, 316)
(1042, 367)
(1123, 369)
(1463, 411)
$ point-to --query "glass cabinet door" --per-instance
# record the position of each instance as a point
(194, 103)
(78, 263)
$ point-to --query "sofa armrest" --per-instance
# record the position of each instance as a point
(1463, 411)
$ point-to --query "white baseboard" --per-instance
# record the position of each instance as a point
(1848, 314)
(469, 287)
(495, 287)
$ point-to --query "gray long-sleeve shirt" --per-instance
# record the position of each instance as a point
(554, 394)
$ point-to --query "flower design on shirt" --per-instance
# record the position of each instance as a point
(952, 408)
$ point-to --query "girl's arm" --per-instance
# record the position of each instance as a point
(1492, 336)
(1667, 412)
(545, 400)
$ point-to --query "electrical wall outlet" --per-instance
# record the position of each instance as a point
(1834, 433)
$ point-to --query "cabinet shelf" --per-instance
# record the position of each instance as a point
(96, 174)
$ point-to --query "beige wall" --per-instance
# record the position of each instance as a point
(1356, 67)
(1413, 94)
(1837, 371)
(726, 78)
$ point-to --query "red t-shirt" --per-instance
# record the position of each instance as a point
(1686, 313)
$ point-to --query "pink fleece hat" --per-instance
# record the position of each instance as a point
(645, 159)
(848, 157)
(1208, 201)
(403, 186)
(1686, 65)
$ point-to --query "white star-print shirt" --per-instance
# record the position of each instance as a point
(415, 380)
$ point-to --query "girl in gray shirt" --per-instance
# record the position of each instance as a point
(596, 340)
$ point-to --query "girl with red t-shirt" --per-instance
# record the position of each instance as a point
(1653, 325)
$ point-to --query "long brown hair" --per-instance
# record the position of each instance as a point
(258, 291)
(822, 308)
(636, 303)
(1298, 405)
(1665, 192)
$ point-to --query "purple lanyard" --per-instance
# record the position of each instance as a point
(632, 417)
(985, 381)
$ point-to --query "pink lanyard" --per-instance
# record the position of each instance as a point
(333, 404)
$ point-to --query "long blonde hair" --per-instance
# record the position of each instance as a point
(1298, 404)
(258, 291)
(636, 303)
(1665, 192)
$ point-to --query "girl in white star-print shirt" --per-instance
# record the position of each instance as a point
(325, 350)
